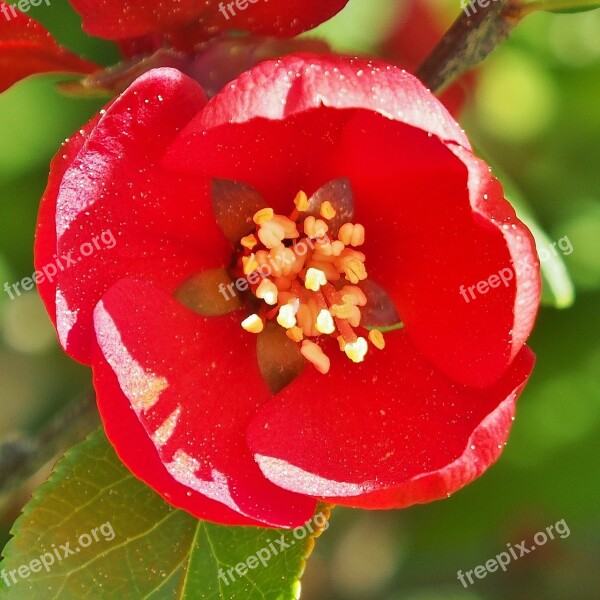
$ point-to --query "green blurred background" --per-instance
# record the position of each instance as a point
(534, 109)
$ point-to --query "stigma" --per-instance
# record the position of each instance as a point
(306, 275)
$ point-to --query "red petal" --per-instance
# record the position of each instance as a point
(26, 48)
(295, 84)
(408, 433)
(269, 128)
(137, 451)
(147, 222)
(280, 128)
(45, 237)
(437, 226)
(196, 381)
(198, 20)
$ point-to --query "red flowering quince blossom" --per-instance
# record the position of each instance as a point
(187, 22)
(244, 388)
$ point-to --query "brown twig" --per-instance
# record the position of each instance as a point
(475, 33)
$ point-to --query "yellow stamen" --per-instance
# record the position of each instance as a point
(358, 236)
(315, 228)
(348, 312)
(253, 324)
(301, 201)
(287, 315)
(301, 270)
(357, 350)
(331, 271)
(353, 295)
(327, 211)
(263, 215)
(314, 279)
(352, 235)
(353, 266)
(249, 241)
(328, 249)
(376, 338)
(289, 227)
(268, 292)
(271, 234)
(249, 264)
(315, 355)
(325, 322)
(295, 334)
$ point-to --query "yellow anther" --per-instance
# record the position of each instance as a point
(327, 211)
(301, 201)
(249, 264)
(263, 215)
(325, 322)
(268, 292)
(289, 227)
(314, 279)
(262, 257)
(348, 312)
(354, 269)
(376, 338)
(357, 350)
(271, 234)
(249, 241)
(352, 235)
(295, 334)
(287, 315)
(353, 295)
(315, 355)
(330, 248)
(253, 324)
(315, 228)
(358, 236)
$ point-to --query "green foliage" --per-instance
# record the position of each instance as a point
(116, 538)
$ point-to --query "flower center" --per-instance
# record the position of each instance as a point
(306, 275)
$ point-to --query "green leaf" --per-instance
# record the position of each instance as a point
(125, 542)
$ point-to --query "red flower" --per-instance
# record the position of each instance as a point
(188, 22)
(184, 399)
(26, 48)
